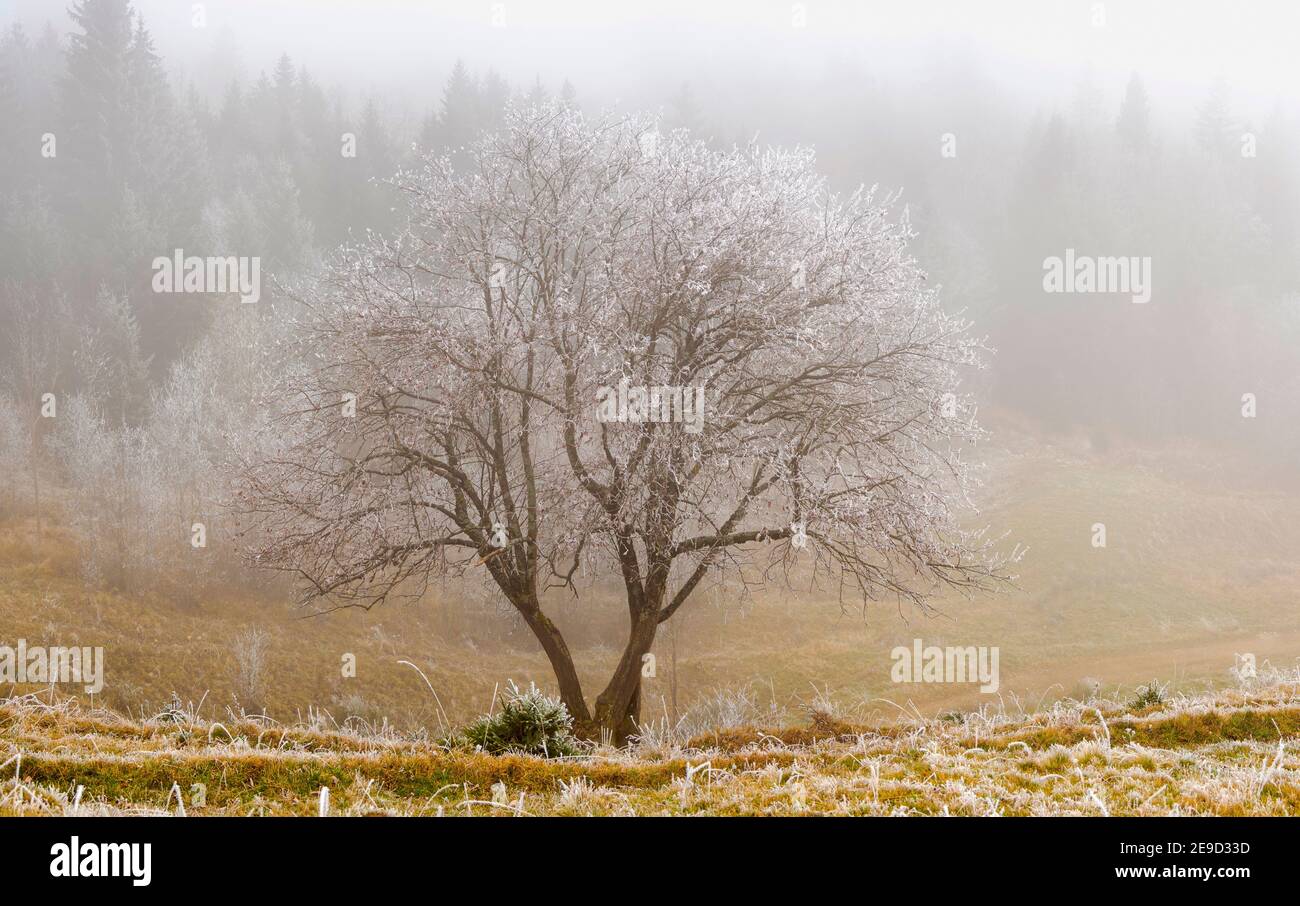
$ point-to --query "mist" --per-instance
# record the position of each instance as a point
(1010, 300)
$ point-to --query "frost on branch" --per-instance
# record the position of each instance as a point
(443, 416)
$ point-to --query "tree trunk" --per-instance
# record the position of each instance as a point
(617, 715)
(557, 651)
(618, 708)
(673, 632)
(617, 727)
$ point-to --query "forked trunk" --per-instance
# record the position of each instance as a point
(618, 709)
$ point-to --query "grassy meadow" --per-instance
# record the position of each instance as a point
(779, 702)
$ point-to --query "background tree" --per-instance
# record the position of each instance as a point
(1216, 129)
(575, 258)
(31, 369)
(1133, 124)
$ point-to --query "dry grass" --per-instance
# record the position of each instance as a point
(1195, 572)
(1235, 752)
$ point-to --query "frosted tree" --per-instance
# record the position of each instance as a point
(200, 422)
(113, 475)
(451, 410)
(15, 450)
(31, 363)
(149, 497)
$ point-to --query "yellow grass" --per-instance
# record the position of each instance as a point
(1231, 753)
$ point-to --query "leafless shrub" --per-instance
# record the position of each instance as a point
(250, 650)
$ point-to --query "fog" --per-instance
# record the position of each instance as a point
(623, 52)
(1108, 192)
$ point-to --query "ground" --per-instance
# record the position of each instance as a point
(1233, 752)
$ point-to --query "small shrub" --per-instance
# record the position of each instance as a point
(529, 721)
(1148, 696)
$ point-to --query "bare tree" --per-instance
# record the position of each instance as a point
(30, 371)
(112, 478)
(459, 406)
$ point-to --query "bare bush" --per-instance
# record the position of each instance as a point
(250, 650)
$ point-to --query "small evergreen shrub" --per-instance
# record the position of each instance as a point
(1148, 696)
(529, 721)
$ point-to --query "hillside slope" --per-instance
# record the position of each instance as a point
(1200, 566)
